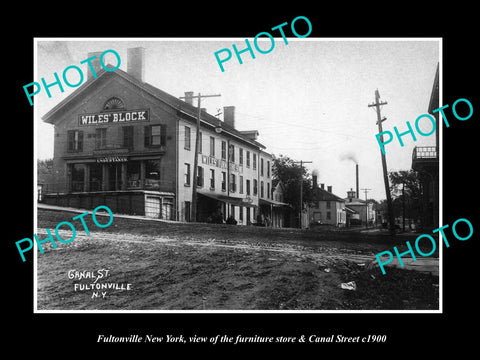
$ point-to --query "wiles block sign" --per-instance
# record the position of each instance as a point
(122, 116)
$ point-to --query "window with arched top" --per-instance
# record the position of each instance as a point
(113, 103)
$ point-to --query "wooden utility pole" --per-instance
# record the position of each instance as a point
(193, 209)
(366, 207)
(301, 188)
(377, 105)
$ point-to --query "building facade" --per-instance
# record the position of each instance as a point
(326, 207)
(425, 161)
(123, 143)
(359, 211)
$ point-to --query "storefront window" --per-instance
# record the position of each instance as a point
(77, 177)
(96, 177)
(152, 174)
(133, 175)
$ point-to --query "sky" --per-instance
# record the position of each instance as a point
(308, 98)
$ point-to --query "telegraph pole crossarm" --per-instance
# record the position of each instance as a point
(193, 209)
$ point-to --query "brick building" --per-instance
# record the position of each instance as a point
(123, 143)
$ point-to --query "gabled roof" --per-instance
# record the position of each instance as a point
(323, 195)
(434, 95)
(174, 102)
(355, 201)
(49, 117)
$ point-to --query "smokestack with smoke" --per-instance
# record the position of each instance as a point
(349, 156)
(358, 194)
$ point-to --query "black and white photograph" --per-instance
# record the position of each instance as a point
(259, 187)
(264, 182)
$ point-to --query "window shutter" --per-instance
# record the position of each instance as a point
(163, 135)
(147, 136)
(70, 140)
(80, 141)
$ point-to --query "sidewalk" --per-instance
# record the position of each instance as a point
(81, 211)
(428, 265)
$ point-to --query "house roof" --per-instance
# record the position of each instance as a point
(355, 201)
(278, 182)
(174, 102)
(324, 195)
(350, 210)
(433, 103)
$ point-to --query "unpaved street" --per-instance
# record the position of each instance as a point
(174, 267)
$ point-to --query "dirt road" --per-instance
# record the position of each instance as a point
(206, 267)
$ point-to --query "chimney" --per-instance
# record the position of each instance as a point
(189, 97)
(329, 188)
(322, 186)
(251, 134)
(95, 63)
(229, 115)
(358, 192)
(314, 179)
(136, 62)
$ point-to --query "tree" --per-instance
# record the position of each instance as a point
(290, 173)
(406, 193)
(44, 171)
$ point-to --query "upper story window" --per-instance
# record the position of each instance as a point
(199, 176)
(74, 140)
(187, 174)
(231, 153)
(155, 135)
(128, 137)
(100, 138)
(212, 146)
(187, 144)
(224, 150)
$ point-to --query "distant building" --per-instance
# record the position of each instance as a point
(281, 211)
(359, 212)
(326, 207)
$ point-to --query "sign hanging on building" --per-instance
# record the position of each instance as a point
(112, 159)
(111, 117)
(222, 164)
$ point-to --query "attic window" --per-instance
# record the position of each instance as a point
(113, 103)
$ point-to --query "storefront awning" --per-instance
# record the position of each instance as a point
(272, 203)
(229, 199)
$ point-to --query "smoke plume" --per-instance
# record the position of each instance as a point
(349, 156)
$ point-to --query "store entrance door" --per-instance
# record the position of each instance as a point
(114, 177)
